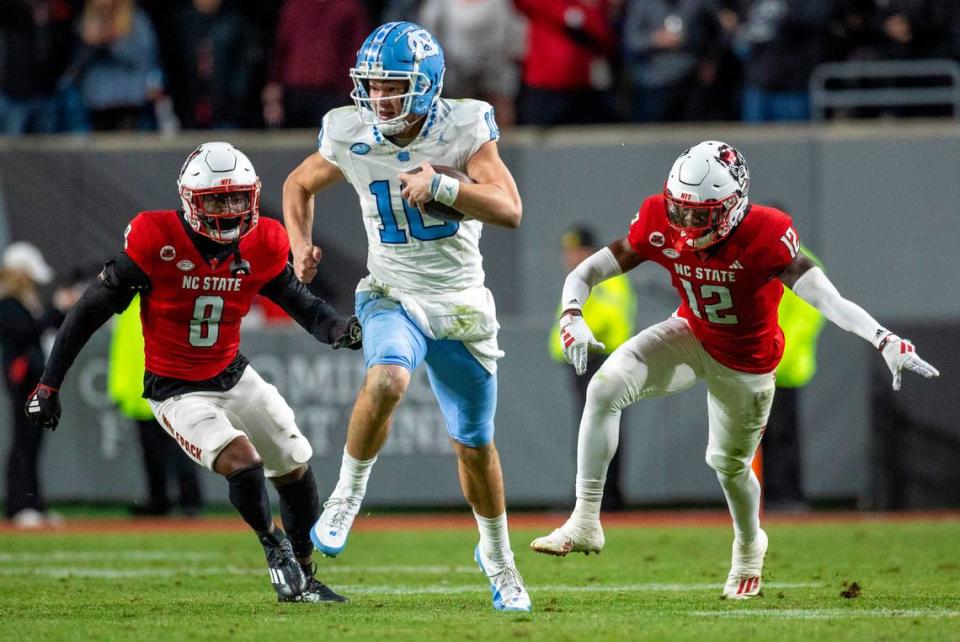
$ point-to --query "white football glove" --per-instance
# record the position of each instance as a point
(901, 355)
(577, 340)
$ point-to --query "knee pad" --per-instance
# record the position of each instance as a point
(607, 391)
(726, 467)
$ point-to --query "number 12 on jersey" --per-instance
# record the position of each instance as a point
(713, 300)
(390, 230)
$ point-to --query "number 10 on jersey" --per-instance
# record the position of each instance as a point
(390, 230)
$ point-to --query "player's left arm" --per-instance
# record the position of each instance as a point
(810, 283)
(314, 314)
(493, 199)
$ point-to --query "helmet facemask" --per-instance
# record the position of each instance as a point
(224, 214)
(418, 93)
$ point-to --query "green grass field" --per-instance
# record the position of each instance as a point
(650, 583)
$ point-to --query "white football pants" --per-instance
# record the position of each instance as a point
(662, 360)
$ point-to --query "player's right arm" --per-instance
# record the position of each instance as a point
(575, 335)
(311, 176)
(114, 288)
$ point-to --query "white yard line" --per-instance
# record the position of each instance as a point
(91, 556)
(827, 614)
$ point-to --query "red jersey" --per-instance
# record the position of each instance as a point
(730, 293)
(191, 314)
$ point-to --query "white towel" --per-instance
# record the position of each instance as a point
(469, 316)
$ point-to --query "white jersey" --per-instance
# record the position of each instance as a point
(407, 249)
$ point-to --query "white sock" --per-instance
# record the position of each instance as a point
(354, 474)
(743, 500)
(494, 539)
(589, 494)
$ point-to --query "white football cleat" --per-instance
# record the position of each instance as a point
(329, 534)
(506, 585)
(746, 572)
(572, 537)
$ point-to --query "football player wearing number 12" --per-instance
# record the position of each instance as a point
(729, 261)
(198, 271)
(424, 299)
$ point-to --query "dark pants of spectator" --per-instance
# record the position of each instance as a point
(782, 480)
(305, 106)
(133, 118)
(761, 106)
(612, 493)
(23, 462)
(548, 107)
(163, 459)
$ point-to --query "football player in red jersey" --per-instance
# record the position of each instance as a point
(197, 271)
(729, 261)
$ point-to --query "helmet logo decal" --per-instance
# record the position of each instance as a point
(731, 159)
(422, 44)
(167, 253)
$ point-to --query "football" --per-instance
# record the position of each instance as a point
(437, 209)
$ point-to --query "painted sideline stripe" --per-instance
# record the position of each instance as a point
(827, 614)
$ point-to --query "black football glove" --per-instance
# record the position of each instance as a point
(349, 335)
(43, 406)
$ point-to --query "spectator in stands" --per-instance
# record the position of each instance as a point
(37, 41)
(854, 33)
(317, 41)
(216, 59)
(672, 49)
(483, 40)
(23, 320)
(780, 43)
(611, 312)
(566, 75)
(163, 458)
(915, 29)
(117, 67)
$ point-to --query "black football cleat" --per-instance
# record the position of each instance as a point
(285, 573)
(316, 590)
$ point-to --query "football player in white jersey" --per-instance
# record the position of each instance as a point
(424, 299)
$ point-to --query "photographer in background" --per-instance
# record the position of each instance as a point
(23, 320)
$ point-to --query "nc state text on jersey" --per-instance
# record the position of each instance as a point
(212, 283)
(705, 274)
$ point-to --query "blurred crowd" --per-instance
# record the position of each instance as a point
(99, 65)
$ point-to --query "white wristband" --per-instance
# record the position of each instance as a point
(444, 189)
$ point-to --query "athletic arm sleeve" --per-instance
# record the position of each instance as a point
(815, 288)
(596, 268)
(110, 293)
(313, 313)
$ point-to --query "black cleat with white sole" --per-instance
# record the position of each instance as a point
(285, 573)
(316, 591)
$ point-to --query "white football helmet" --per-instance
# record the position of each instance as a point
(220, 192)
(706, 193)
